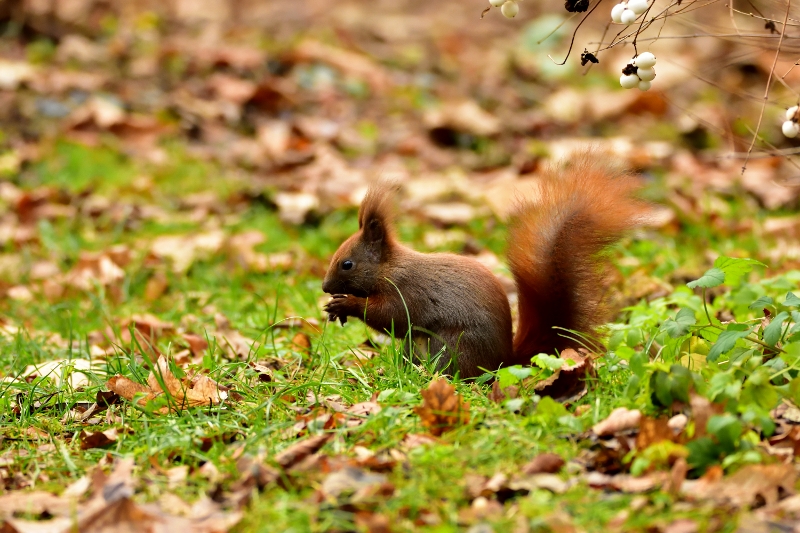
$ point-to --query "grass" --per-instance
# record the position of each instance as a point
(429, 489)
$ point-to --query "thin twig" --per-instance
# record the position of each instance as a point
(769, 83)
(574, 34)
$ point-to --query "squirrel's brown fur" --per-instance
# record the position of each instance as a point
(457, 308)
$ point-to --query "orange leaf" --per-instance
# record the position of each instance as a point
(442, 409)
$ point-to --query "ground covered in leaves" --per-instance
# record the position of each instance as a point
(176, 174)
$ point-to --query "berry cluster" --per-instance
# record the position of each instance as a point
(639, 73)
(790, 127)
(627, 12)
(509, 8)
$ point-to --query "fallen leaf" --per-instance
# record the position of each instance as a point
(442, 409)
(620, 419)
(74, 372)
(547, 463)
(498, 395)
(415, 440)
(682, 525)
(626, 482)
(372, 522)
(790, 439)
(197, 344)
(300, 450)
(349, 479)
(236, 345)
(180, 395)
(750, 485)
(466, 116)
(294, 207)
(569, 381)
(352, 63)
(183, 250)
(652, 431)
(302, 342)
(14, 73)
(98, 439)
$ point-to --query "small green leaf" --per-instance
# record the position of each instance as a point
(547, 361)
(638, 362)
(735, 268)
(727, 340)
(791, 300)
(712, 278)
(512, 375)
(661, 387)
(520, 372)
(703, 452)
(680, 325)
(727, 429)
(772, 333)
(758, 390)
(761, 303)
(791, 353)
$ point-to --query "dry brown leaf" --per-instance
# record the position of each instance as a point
(702, 411)
(625, 482)
(302, 342)
(234, 343)
(790, 439)
(545, 463)
(293, 207)
(449, 214)
(156, 286)
(677, 476)
(253, 474)
(415, 440)
(98, 439)
(126, 388)
(466, 116)
(442, 409)
(352, 63)
(620, 419)
(183, 250)
(372, 522)
(498, 395)
(751, 485)
(295, 453)
(653, 430)
(568, 382)
(349, 479)
(200, 391)
(96, 269)
(150, 328)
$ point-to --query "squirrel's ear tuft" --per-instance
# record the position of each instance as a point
(375, 218)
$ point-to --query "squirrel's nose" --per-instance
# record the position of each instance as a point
(326, 286)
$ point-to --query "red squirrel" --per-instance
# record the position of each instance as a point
(457, 308)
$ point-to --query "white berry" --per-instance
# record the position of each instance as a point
(616, 13)
(510, 9)
(497, 3)
(645, 60)
(627, 16)
(637, 6)
(646, 74)
(791, 112)
(790, 129)
(644, 85)
(629, 81)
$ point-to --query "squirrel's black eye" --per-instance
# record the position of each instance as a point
(347, 265)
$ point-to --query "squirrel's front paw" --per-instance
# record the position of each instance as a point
(338, 307)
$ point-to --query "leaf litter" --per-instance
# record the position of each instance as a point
(300, 123)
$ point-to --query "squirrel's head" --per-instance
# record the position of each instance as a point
(356, 265)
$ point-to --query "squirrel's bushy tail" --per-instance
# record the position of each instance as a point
(555, 251)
